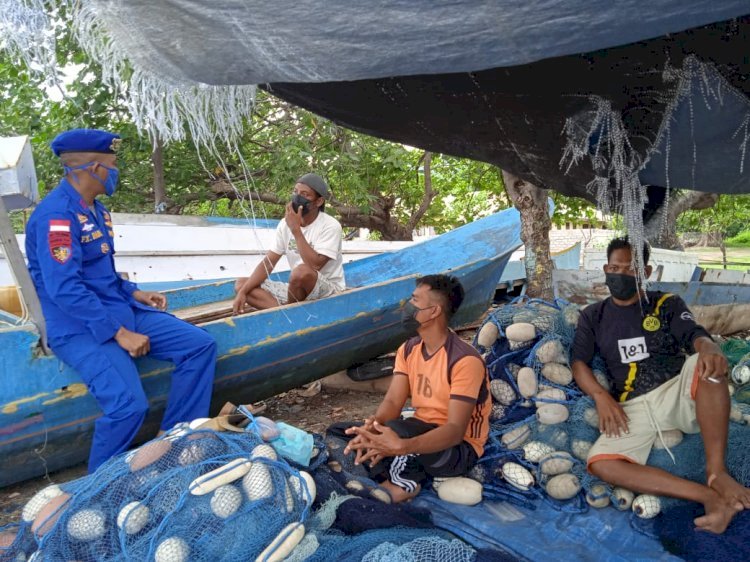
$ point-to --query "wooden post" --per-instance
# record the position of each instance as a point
(20, 273)
(160, 190)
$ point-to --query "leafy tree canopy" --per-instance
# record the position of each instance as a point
(387, 187)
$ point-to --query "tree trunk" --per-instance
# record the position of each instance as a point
(160, 192)
(661, 231)
(531, 202)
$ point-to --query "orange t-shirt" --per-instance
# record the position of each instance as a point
(454, 372)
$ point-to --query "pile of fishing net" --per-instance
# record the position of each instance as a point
(543, 425)
(738, 355)
(203, 495)
(195, 495)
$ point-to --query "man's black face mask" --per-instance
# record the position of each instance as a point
(300, 201)
(409, 321)
(621, 286)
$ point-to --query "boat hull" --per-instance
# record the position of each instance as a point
(47, 416)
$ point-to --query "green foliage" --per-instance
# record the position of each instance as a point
(27, 106)
(740, 240)
(728, 217)
(574, 210)
(372, 176)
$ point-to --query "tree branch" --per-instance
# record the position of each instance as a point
(429, 192)
(661, 230)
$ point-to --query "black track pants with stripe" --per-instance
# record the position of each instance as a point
(408, 471)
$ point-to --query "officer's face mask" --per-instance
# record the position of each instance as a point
(301, 201)
(409, 321)
(110, 184)
(621, 286)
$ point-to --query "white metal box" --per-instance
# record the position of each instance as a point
(18, 183)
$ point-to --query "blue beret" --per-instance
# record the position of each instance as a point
(85, 140)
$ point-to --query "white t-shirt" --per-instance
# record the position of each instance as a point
(324, 236)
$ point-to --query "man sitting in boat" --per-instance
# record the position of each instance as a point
(644, 338)
(448, 384)
(311, 240)
(96, 321)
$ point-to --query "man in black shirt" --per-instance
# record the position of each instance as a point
(644, 339)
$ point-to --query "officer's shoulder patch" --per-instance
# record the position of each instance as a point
(59, 225)
(59, 240)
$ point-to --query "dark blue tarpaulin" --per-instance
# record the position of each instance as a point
(517, 84)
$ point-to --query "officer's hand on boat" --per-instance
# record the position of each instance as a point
(151, 298)
(137, 345)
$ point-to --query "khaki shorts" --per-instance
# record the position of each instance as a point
(669, 406)
(280, 290)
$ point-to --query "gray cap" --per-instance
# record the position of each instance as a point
(317, 183)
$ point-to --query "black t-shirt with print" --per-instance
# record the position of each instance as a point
(643, 345)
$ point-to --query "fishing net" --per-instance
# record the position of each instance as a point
(736, 351)
(355, 479)
(543, 425)
(149, 504)
(397, 544)
(738, 355)
(16, 544)
(159, 502)
(433, 548)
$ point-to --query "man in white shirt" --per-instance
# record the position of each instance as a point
(311, 241)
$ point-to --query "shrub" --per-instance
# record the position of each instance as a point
(741, 239)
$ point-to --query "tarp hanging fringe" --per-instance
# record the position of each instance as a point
(601, 136)
(160, 106)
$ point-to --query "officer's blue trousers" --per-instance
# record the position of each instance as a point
(112, 378)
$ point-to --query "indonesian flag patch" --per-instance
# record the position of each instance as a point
(59, 240)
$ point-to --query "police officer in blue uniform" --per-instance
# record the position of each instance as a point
(96, 321)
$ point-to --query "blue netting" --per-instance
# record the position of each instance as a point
(16, 543)
(738, 354)
(428, 548)
(141, 505)
(399, 544)
(517, 435)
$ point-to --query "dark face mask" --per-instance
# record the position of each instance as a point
(300, 201)
(409, 321)
(621, 286)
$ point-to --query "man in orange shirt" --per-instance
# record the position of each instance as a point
(448, 384)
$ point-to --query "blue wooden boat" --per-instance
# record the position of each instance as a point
(514, 274)
(47, 415)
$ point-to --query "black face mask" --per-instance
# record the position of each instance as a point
(621, 286)
(409, 321)
(300, 201)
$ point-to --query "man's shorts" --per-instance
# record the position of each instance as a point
(280, 290)
(669, 406)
